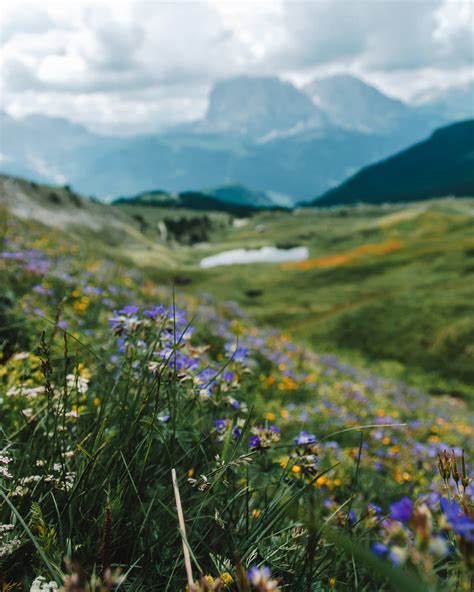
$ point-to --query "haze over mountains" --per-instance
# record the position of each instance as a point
(259, 132)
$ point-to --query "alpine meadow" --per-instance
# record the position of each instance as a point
(237, 296)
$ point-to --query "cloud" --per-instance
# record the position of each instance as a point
(126, 65)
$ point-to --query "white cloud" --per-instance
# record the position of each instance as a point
(134, 65)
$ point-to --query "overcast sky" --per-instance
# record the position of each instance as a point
(122, 67)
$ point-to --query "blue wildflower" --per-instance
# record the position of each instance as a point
(379, 549)
(304, 438)
(402, 510)
(462, 524)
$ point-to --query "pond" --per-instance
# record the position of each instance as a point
(262, 255)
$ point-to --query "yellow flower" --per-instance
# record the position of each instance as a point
(269, 416)
(320, 481)
(256, 513)
(226, 580)
(296, 469)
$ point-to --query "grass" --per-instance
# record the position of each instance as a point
(286, 459)
(389, 286)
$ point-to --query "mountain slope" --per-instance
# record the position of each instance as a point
(255, 107)
(262, 133)
(353, 104)
(441, 165)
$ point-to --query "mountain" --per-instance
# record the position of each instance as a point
(257, 107)
(297, 166)
(261, 133)
(353, 104)
(456, 102)
(49, 149)
(440, 166)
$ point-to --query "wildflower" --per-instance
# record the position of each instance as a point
(154, 312)
(78, 383)
(7, 545)
(41, 585)
(226, 580)
(398, 555)
(259, 577)
(264, 437)
(129, 310)
(306, 452)
(202, 483)
(462, 524)
(438, 546)
(220, 428)
(402, 510)
(304, 438)
(4, 462)
(379, 549)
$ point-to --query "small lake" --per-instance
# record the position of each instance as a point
(263, 255)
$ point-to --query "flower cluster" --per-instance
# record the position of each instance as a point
(264, 437)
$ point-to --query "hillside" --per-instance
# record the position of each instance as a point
(231, 198)
(441, 165)
(116, 391)
(368, 267)
(60, 209)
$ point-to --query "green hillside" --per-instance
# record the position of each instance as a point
(127, 372)
(374, 287)
(389, 286)
(441, 165)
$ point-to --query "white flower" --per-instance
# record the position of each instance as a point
(78, 383)
(41, 585)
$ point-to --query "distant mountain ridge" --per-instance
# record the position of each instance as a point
(258, 106)
(440, 166)
(263, 133)
(353, 104)
(233, 199)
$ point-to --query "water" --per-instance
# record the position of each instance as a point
(263, 255)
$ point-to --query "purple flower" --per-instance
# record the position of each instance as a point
(401, 510)
(461, 524)
(304, 438)
(154, 312)
(379, 549)
(129, 310)
(254, 441)
(260, 578)
(220, 424)
(375, 509)
(228, 376)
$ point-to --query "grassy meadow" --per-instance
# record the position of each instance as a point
(388, 287)
(292, 400)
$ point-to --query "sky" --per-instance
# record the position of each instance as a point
(124, 67)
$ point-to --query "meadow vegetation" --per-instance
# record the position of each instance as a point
(297, 470)
(388, 287)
